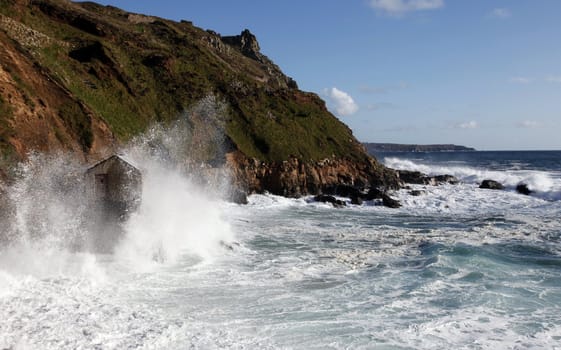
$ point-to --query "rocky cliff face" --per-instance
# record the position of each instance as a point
(86, 78)
(294, 177)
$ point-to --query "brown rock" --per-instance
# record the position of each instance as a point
(295, 178)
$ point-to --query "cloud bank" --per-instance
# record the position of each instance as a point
(400, 7)
(341, 102)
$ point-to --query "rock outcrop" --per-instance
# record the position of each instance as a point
(491, 185)
(418, 178)
(325, 198)
(295, 178)
(523, 189)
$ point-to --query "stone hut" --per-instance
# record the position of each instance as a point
(115, 184)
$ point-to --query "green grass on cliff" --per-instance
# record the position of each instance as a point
(5, 129)
(135, 73)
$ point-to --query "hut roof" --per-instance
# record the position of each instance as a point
(114, 158)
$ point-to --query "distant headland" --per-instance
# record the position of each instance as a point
(396, 147)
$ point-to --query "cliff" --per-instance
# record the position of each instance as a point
(86, 78)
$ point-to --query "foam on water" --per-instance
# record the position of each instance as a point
(479, 272)
(546, 185)
(458, 267)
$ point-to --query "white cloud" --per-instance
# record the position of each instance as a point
(400, 7)
(501, 13)
(520, 80)
(529, 124)
(341, 102)
(553, 79)
(468, 125)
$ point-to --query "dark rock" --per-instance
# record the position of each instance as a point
(412, 177)
(389, 202)
(418, 178)
(291, 83)
(416, 193)
(89, 25)
(89, 51)
(343, 191)
(440, 179)
(247, 43)
(356, 200)
(523, 189)
(492, 185)
(374, 193)
(329, 199)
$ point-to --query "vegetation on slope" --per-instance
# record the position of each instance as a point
(128, 71)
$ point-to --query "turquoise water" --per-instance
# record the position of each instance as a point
(456, 268)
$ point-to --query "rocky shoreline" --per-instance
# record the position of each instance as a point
(331, 181)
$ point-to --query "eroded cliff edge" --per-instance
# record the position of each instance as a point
(86, 78)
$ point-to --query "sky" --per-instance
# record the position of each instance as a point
(479, 73)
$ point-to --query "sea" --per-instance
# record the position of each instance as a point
(456, 267)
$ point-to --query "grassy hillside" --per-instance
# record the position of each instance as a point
(110, 74)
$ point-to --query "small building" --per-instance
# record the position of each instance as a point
(115, 183)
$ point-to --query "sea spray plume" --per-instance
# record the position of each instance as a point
(43, 230)
(182, 166)
(51, 207)
(175, 217)
(47, 201)
(48, 213)
(207, 121)
(198, 135)
(6, 215)
(209, 144)
(194, 144)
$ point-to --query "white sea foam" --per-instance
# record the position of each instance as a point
(267, 201)
(457, 267)
(546, 185)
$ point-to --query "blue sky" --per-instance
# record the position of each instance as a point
(481, 73)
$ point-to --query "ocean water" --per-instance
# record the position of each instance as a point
(456, 268)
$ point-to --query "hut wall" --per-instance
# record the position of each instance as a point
(114, 180)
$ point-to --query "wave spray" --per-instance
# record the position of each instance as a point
(49, 225)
